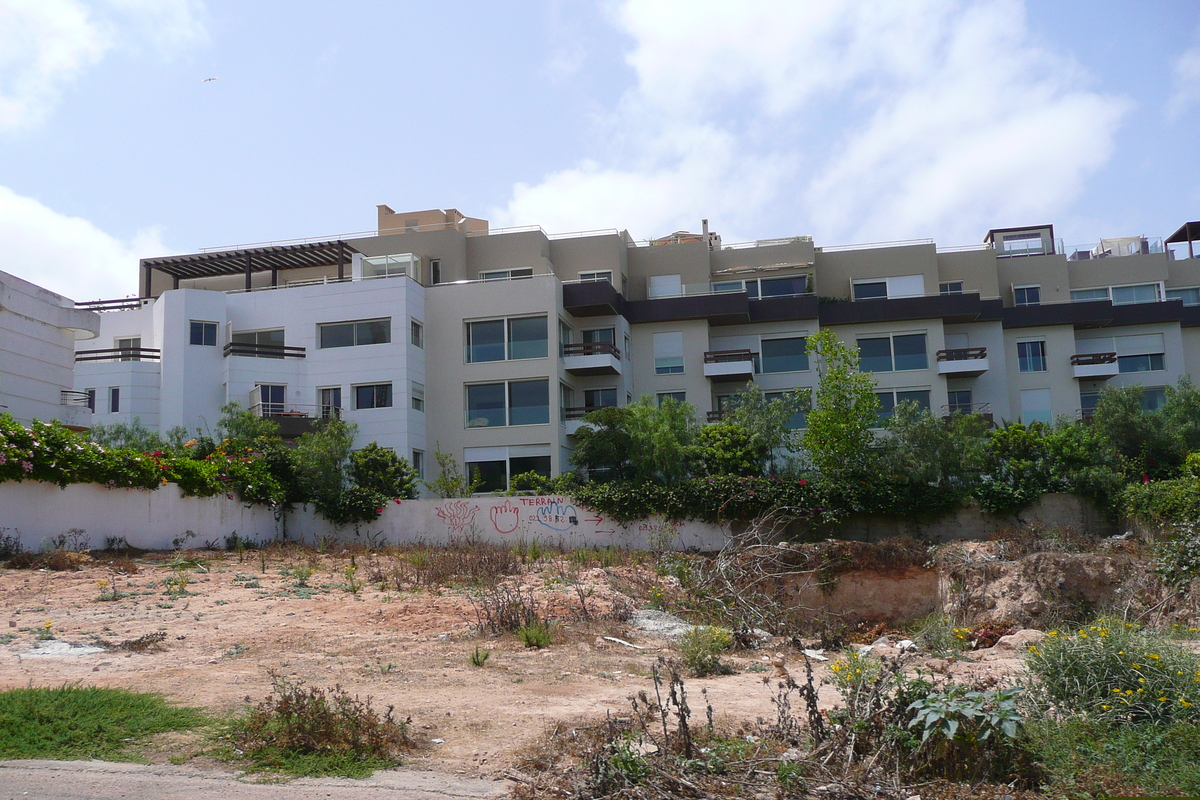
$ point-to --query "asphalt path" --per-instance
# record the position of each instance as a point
(103, 780)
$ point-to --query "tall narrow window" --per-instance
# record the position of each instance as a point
(114, 399)
(668, 353)
(271, 398)
(91, 399)
(331, 402)
(417, 333)
(435, 271)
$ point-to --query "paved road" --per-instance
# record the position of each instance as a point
(102, 780)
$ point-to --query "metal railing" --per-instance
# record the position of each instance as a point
(263, 350)
(966, 408)
(842, 248)
(591, 349)
(767, 242)
(962, 354)
(728, 356)
(122, 304)
(119, 354)
(1092, 359)
(715, 415)
(1056, 246)
(578, 412)
(1117, 247)
(297, 410)
(72, 397)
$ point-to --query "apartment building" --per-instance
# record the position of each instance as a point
(38, 331)
(435, 332)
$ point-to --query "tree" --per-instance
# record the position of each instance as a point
(450, 481)
(243, 425)
(323, 465)
(660, 439)
(922, 449)
(727, 448)
(603, 445)
(133, 435)
(839, 435)
(382, 471)
(766, 421)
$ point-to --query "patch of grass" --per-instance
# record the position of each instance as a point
(536, 634)
(303, 731)
(76, 722)
(701, 649)
(479, 657)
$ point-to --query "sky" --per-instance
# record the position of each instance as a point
(848, 120)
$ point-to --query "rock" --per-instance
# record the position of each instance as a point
(660, 623)
(1021, 640)
(794, 754)
(815, 655)
(882, 641)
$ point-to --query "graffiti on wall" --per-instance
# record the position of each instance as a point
(458, 514)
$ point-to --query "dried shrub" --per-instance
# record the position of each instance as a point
(504, 608)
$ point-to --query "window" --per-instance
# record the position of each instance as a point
(628, 348)
(1190, 297)
(271, 399)
(114, 399)
(668, 353)
(203, 333)
(678, 397)
(1035, 406)
(799, 419)
(1141, 293)
(960, 402)
(129, 344)
(91, 399)
(601, 275)
(600, 336)
(565, 336)
(784, 355)
(492, 405)
(331, 402)
(393, 266)
(353, 334)
(950, 287)
(874, 290)
(435, 272)
(255, 339)
(898, 286)
(417, 334)
(1087, 403)
(418, 396)
(1027, 295)
(665, 286)
(1031, 356)
(494, 467)
(1022, 243)
(780, 287)
(893, 353)
(418, 463)
(600, 398)
(373, 395)
(1148, 362)
(1082, 295)
(1153, 398)
(889, 400)
(498, 339)
(506, 274)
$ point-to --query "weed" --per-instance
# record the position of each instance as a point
(176, 585)
(349, 571)
(503, 608)
(45, 632)
(701, 648)
(479, 656)
(108, 591)
(237, 650)
(10, 544)
(301, 575)
(309, 731)
(5, 638)
(536, 634)
(79, 722)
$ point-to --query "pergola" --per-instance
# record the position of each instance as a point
(247, 261)
(1189, 232)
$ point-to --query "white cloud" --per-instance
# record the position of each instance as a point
(69, 255)
(45, 45)
(1186, 83)
(860, 119)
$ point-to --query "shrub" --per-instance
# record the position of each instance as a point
(1177, 560)
(1116, 672)
(1165, 502)
(853, 672)
(701, 649)
(309, 731)
(536, 634)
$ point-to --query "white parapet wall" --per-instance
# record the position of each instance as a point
(39, 512)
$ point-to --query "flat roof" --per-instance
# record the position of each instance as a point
(1188, 232)
(253, 259)
(991, 235)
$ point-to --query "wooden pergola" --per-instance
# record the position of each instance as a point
(1189, 232)
(247, 261)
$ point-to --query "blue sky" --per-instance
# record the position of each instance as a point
(850, 121)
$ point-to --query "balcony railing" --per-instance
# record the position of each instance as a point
(728, 356)
(962, 354)
(579, 412)
(71, 397)
(263, 350)
(119, 354)
(982, 409)
(124, 304)
(591, 349)
(1115, 248)
(1093, 359)
(716, 415)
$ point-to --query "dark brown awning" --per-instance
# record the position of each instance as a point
(1188, 232)
(252, 259)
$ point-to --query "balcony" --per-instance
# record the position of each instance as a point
(74, 411)
(294, 419)
(721, 366)
(1118, 247)
(1094, 366)
(592, 358)
(592, 299)
(715, 415)
(962, 362)
(263, 350)
(119, 354)
(573, 416)
(950, 308)
(979, 409)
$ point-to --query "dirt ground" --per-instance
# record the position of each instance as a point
(410, 649)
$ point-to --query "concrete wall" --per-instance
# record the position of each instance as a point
(37, 512)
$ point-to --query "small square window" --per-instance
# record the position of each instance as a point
(373, 395)
(1027, 295)
(1031, 356)
(950, 287)
(204, 333)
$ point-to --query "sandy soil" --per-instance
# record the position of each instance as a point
(408, 649)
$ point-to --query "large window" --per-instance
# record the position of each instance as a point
(500, 339)
(494, 467)
(1031, 356)
(1027, 295)
(1120, 295)
(203, 333)
(893, 353)
(799, 418)
(373, 395)
(897, 286)
(665, 286)
(491, 405)
(353, 334)
(668, 353)
(889, 400)
(130, 345)
(271, 398)
(506, 274)
(273, 338)
(1035, 406)
(1147, 362)
(784, 355)
(678, 397)
(600, 398)
(1190, 297)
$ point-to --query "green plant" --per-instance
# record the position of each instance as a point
(536, 634)
(45, 632)
(450, 481)
(308, 731)
(479, 656)
(966, 734)
(701, 648)
(1177, 560)
(81, 722)
(108, 591)
(853, 672)
(839, 438)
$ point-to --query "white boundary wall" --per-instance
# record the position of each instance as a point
(37, 512)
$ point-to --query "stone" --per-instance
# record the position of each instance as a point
(1021, 640)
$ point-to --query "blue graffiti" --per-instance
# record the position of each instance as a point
(557, 517)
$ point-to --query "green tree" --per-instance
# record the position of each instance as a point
(133, 435)
(922, 449)
(661, 438)
(603, 446)
(323, 466)
(450, 481)
(382, 471)
(839, 438)
(243, 425)
(727, 448)
(1142, 438)
(766, 421)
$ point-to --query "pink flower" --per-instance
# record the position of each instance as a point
(28, 467)
(397, 501)
(379, 510)
(803, 482)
